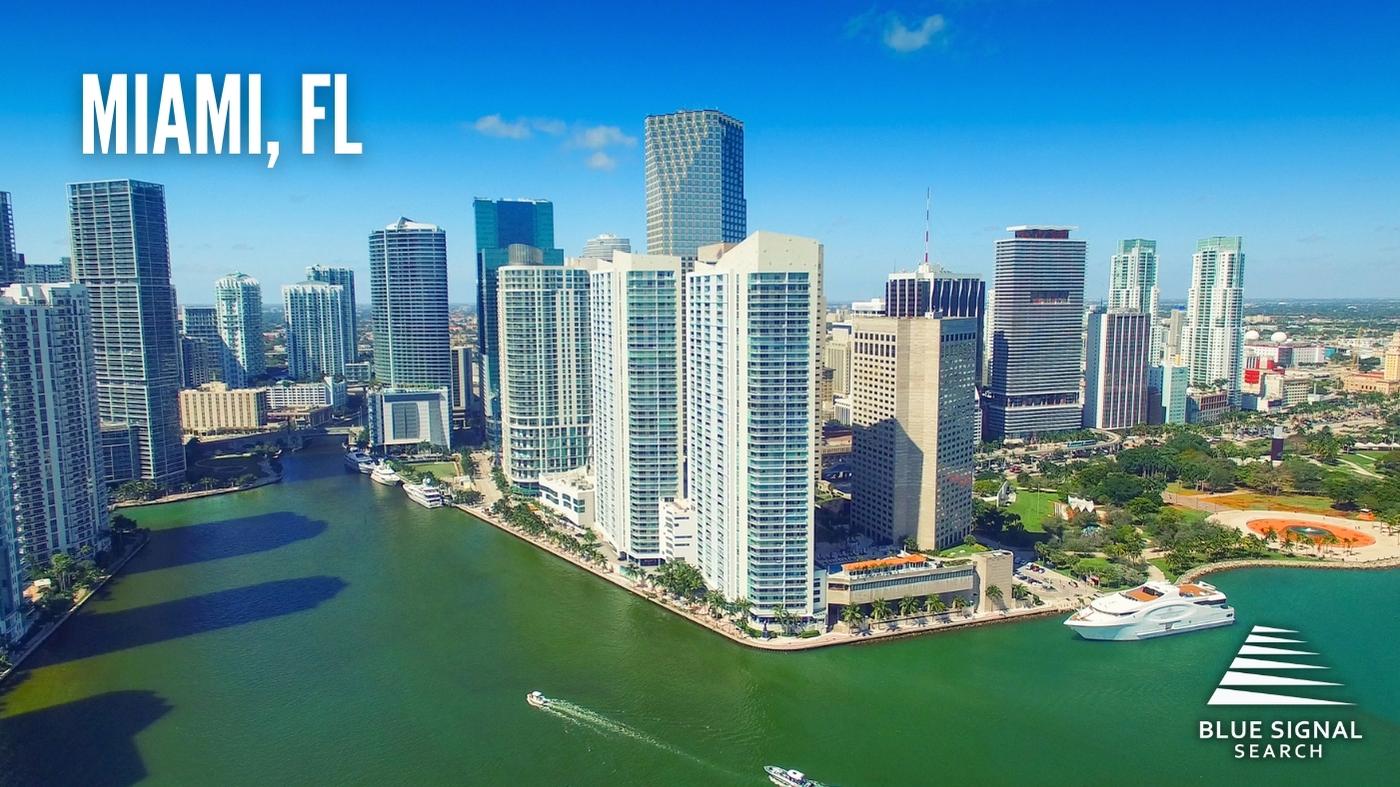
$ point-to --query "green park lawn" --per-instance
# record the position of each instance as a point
(1033, 507)
(443, 471)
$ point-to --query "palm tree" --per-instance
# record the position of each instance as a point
(959, 603)
(715, 601)
(994, 592)
(908, 606)
(742, 607)
(1019, 592)
(880, 610)
(852, 616)
(934, 605)
(781, 616)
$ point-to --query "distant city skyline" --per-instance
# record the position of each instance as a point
(843, 132)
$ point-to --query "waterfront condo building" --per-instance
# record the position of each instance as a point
(1213, 336)
(201, 349)
(1115, 368)
(603, 246)
(345, 279)
(238, 309)
(635, 313)
(753, 320)
(121, 253)
(912, 405)
(1037, 340)
(525, 224)
(12, 573)
(215, 408)
(408, 291)
(694, 182)
(48, 392)
(11, 264)
(546, 370)
(315, 314)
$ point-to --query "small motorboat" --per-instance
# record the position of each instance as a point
(787, 777)
(537, 699)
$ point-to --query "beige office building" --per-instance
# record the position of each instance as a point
(214, 408)
(912, 409)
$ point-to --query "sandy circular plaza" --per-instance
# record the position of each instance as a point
(1354, 539)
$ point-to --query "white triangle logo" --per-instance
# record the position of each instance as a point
(1262, 641)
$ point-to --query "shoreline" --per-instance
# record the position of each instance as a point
(182, 496)
(1379, 564)
(724, 627)
(43, 636)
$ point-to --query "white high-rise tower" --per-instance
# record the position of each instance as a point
(238, 309)
(753, 317)
(1213, 337)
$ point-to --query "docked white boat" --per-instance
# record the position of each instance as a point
(787, 777)
(426, 495)
(359, 460)
(384, 474)
(537, 699)
(1155, 609)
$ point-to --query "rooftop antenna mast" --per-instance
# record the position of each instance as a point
(928, 201)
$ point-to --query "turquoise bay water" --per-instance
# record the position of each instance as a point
(326, 630)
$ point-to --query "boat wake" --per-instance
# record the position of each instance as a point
(579, 715)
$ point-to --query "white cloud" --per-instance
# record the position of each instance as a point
(902, 38)
(550, 126)
(495, 126)
(602, 161)
(599, 137)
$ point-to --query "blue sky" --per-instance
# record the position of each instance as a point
(1171, 121)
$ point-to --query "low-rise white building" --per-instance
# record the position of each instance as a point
(409, 416)
(677, 531)
(288, 395)
(570, 495)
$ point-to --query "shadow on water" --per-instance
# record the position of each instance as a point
(89, 634)
(90, 741)
(178, 546)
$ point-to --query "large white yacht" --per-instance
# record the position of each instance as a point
(426, 495)
(1155, 609)
(385, 474)
(787, 777)
(359, 460)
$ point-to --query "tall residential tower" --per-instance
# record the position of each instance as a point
(408, 293)
(345, 279)
(121, 252)
(238, 310)
(500, 225)
(753, 317)
(1213, 337)
(315, 313)
(694, 182)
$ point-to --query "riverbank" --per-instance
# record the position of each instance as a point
(270, 478)
(38, 639)
(698, 615)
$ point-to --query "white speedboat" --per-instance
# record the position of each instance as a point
(787, 777)
(384, 474)
(537, 699)
(359, 460)
(426, 495)
(1155, 609)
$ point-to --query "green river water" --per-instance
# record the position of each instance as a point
(327, 630)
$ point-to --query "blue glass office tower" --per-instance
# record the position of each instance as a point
(501, 224)
(694, 182)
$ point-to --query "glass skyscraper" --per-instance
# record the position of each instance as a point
(408, 292)
(501, 224)
(1037, 334)
(121, 253)
(635, 306)
(546, 370)
(238, 309)
(694, 182)
(345, 279)
(10, 262)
